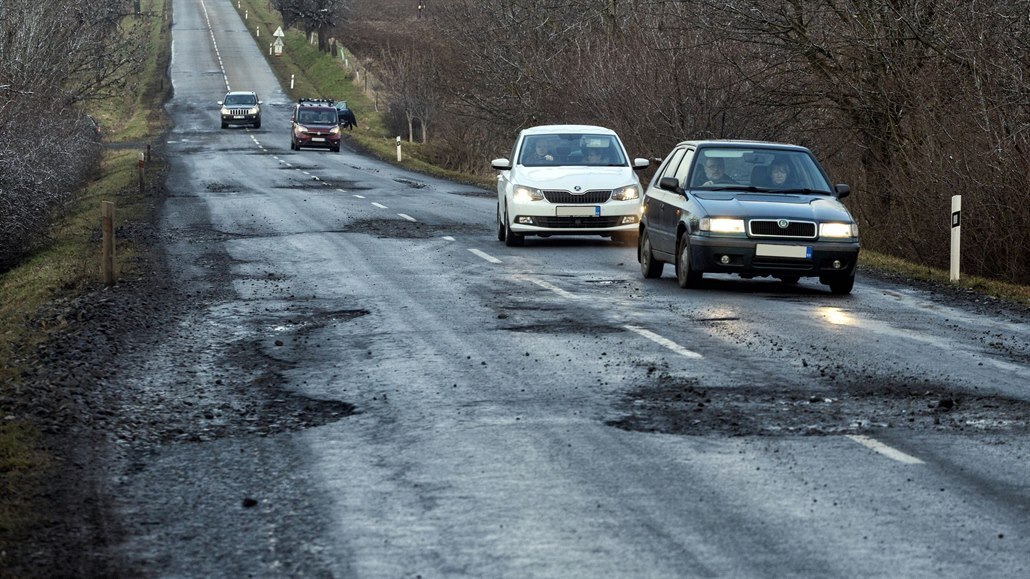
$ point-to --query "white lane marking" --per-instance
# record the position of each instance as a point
(552, 287)
(448, 238)
(661, 341)
(877, 446)
(342, 190)
(485, 256)
(408, 217)
(380, 205)
(359, 196)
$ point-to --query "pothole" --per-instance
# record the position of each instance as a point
(404, 229)
(676, 405)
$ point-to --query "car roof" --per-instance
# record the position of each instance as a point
(561, 129)
(240, 92)
(743, 144)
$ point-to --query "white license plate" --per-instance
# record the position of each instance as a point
(795, 251)
(237, 116)
(578, 211)
(318, 139)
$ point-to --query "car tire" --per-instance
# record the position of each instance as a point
(335, 149)
(225, 125)
(257, 125)
(512, 239)
(650, 267)
(790, 279)
(686, 276)
(501, 225)
(841, 285)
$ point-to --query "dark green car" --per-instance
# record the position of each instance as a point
(747, 208)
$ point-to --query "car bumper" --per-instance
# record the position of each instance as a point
(554, 219)
(750, 257)
(240, 119)
(331, 141)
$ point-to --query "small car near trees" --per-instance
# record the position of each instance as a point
(315, 123)
(567, 180)
(748, 208)
(240, 107)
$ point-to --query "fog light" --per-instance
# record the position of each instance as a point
(524, 220)
(836, 264)
(724, 259)
(629, 219)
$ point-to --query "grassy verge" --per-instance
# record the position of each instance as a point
(70, 264)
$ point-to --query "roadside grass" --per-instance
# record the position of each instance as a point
(69, 264)
(1019, 294)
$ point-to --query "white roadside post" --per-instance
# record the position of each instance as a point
(956, 234)
(398, 148)
(291, 81)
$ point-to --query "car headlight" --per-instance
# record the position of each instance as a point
(335, 130)
(721, 225)
(253, 111)
(838, 230)
(626, 193)
(527, 194)
(299, 129)
(225, 111)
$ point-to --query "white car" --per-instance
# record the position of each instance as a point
(568, 180)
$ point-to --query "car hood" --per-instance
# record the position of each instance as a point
(569, 178)
(817, 208)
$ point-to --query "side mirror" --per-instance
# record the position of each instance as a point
(640, 163)
(669, 184)
(842, 190)
(501, 164)
(219, 103)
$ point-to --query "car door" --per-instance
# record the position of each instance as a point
(658, 201)
(504, 179)
(677, 202)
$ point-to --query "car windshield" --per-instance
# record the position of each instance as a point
(240, 100)
(575, 149)
(317, 116)
(757, 169)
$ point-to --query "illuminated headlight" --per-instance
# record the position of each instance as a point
(721, 225)
(626, 193)
(253, 111)
(527, 194)
(335, 130)
(226, 111)
(299, 129)
(838, 230)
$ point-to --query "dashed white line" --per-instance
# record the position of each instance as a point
(485, 256)
(408, 217)
(380, 205)
(359, 196)
(551, 287)
(448, 238)
(662, 341)
(889, 452)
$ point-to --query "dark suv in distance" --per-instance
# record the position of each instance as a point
(748, 208)
(316, 123)
(241, 107)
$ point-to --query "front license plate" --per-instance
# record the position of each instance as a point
(578, 211)
(318, 139)
(795, 251)
(237, 116)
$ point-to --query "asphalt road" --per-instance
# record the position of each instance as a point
(432, 403)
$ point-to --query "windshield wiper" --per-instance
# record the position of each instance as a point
(804, 191)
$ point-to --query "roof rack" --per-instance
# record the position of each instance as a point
(314, 101)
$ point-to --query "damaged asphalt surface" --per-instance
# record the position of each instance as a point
(312, 374)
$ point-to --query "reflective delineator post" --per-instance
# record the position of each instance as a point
(398, 148)
(956, 234)
(107, 240)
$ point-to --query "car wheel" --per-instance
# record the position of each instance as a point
(335, 149)
(650, 267)
(686, 276)
(790, 279)
(225, 125)
(842, 285)
(501, 226)
(257, 125)
(512, 239)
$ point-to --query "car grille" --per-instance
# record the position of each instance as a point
(771, 228)
(243, 111)
(781, 263)
(577, 222)
(567, 197)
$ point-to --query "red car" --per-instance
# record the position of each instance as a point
(315, 124)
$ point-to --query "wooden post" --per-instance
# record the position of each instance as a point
(107, 226)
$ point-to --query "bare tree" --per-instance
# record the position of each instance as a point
(320, 17)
